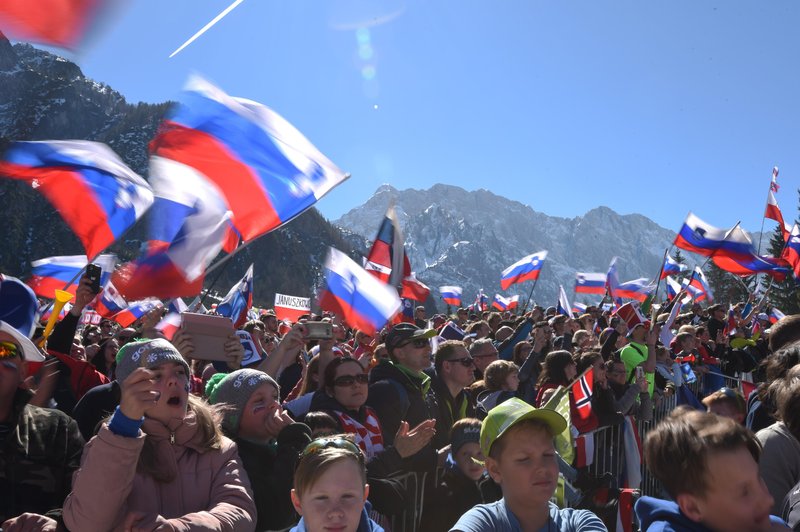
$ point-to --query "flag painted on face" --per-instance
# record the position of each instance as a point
(590, 283)
(704, 239)
(53, 273)
(451, 295)
(265, 169)
(363, 301)
(238, 300)
(525, 269)
(88, 184)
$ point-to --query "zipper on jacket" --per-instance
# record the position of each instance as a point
(172, 438)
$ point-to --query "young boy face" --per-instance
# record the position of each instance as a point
(464, 460)
(526, 469)
(736, 500)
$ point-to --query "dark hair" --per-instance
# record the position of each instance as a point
(785, 332)
(776, 366)
(444, 352)
(516, 356)
(99, 358)
(587, 360)
(333, 365)
(693, 436)
(321, 420)
(788, 400)
(553, 368)
(89, 329)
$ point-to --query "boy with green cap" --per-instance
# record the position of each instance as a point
(517, 441)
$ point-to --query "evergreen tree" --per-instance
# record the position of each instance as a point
(679, 258)
(725, 287)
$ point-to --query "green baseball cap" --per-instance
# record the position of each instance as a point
(509, 413)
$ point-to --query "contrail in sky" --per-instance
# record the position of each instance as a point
(207, 26)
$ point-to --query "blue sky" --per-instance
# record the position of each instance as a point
(650, 107)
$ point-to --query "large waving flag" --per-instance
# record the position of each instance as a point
(451, 295)
(525, 269)
(264, 168)
(590, 283)
(53, 22)
(363, 301)
(513, 302)
(637, 289)
(672, 267)
(704, 239)
(238, 300)
(612, 282)
(96, 194)
(414, 289)
(109, 302)
(53, 273)
(753, 264)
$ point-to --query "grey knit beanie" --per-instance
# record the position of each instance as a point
(146, 354)
(234, 389)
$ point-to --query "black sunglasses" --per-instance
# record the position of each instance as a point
(419, 343)
(467, 362)
(349, 380)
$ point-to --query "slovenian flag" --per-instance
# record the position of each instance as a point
(451, 295)
(53, 273)
(637, 289)
(88, 184)
(109, 302)
(791, 253)
(753, 264)
(238, 300)
(525, 269)
(579, 308)
(612, 282)
(704, 239)
(500, 303)
(563, 303)
(590, 283)
(136, 310)
(170, 323)
(672, 267)
(700, 283)
(362, 300)
(775, 315)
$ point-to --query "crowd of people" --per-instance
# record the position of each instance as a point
(109, 428)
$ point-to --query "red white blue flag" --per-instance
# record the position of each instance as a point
(791, 253)
(136, 310)
(525, 269)
(704, 239)
(775, 315)
(590, 283)
(700, 283)
(109, 302)
(170, 323)
(53, 273)
(88, 184)
(582, 390)
(672, 267)
(749, 265)
(239, 300)
(563, 306)
(513, 302)
(451, 295)
(363, 301)
(500, 303)
(637, 289)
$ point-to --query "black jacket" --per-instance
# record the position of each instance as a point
(454, 496)
(449, 409)
(94, 407)
(271, 472)
(395, 396)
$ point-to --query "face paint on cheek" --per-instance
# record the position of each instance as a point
(259, 406)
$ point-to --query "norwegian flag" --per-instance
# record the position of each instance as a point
(582, 394)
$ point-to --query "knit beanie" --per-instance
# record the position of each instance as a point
(464, 434)
(146, 354)
(234, 389)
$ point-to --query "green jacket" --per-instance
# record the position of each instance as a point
(40, 449)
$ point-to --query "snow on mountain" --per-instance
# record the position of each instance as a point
(458, 237)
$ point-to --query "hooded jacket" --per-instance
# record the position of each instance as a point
(656, 515)
(209, 490)
(398, 396)
(365, 525)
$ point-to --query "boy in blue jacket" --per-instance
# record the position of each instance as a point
(709, 466)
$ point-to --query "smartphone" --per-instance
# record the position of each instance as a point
(209, 334)
(318, 330)
(639, 372)
(93, 273)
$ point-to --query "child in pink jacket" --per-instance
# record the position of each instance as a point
(161, 462)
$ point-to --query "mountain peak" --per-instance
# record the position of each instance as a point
(8, 59)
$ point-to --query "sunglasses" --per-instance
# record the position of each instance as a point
(349, 380)
(467, 362)
(419, 343)
(730, 393)
(321, 444)
(8, 350)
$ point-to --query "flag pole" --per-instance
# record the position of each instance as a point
(660, 274)
(530, 295)
(764, 216)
